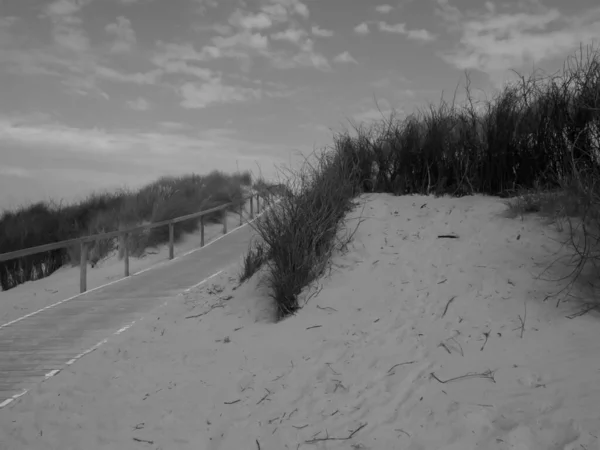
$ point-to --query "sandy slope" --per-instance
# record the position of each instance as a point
(364, 354)
(64, 283)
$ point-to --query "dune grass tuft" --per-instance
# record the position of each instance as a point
(536, 142)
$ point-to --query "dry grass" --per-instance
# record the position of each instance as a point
(536, 142)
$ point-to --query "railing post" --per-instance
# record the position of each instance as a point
(201, 231)
(252, 206)
(225, 221)
(171, 240)
(83, 259)
(257, 204)
(125, 254)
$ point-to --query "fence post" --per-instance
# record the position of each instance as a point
(201, 231)
(252, 206)
(126, 254)
(171, 240)
(257, 204)
(242, 212)
(83, 259)
(225, 221)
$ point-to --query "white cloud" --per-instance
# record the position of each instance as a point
(345, 57)
(362, 28)
(384, 9)
(420, 35)
(198, 96)
(124, 35)
(67, 29)
(317, 31)
(139, 104)
(277, 12)
(494, 43)
(258, 21)
(399, 28)
(301, 9)
(294, 35)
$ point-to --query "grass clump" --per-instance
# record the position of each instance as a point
(300, 232)
(539, 136)
(253, 261)
(166, 198)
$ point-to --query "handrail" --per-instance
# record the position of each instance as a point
(123, 234)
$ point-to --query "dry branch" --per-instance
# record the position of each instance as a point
(352, 433)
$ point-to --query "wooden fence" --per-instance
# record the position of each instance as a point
(122, 235)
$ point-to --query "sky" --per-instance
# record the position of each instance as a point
(102, 94)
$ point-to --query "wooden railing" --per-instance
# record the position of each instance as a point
(122, 235)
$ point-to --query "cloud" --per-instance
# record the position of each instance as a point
(198, 96)
(294, 35)
(345, 57)
(362, 28)
(258, 21)
(384, 9)
(420, 35)
(400, 28)
(496, 42)
(67, 30)
(321, 32)
(277, 12)
(306, 57)
(125, 38)
(301, 9)
(139, 104)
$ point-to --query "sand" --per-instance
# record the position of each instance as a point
(411, 342)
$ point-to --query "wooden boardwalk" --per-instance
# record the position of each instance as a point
(46, 341)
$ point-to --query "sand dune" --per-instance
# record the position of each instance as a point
(412, 342)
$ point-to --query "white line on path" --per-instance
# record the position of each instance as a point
(125, 278)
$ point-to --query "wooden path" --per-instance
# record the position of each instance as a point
(47, 341)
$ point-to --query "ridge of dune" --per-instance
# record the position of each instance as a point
(411, 342)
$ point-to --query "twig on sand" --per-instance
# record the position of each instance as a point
(326, 308)
(143, 440)
(313, 294)
(265, 397)
(233, 402)
(448, 236)
(447, 305)
(205, 312)
(398, 365)
(331, 368)
(487, 336)
(400, 430)
(314, 326)
(312, 441)
(583, 311)
(488, 374)
(462, 353)
(445, 347)
(522, 320)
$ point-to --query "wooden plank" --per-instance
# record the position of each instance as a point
(126, 254)
(171, 240)
(83, 267)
